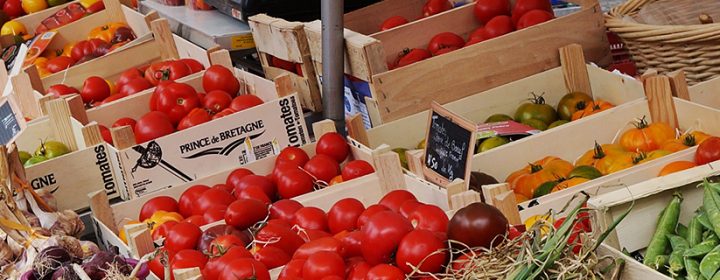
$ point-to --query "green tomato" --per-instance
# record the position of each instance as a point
(491, 143)
(52, 149)
(536, 109)
(53, 3)
(24, 156)
(571, 103)
(34, 160)
(557, 123)
(403, 158)
(536, 124)
(585, 171)
(498, 118)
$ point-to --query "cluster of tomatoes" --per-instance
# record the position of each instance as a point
(430, 8)
(496, 19)
(708, 150)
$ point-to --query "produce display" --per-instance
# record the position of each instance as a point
(47, 150)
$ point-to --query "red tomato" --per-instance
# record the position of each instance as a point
(497, 26)
(534, 17)
(166, 71)
(224, 113)
(134, 86)
(343, 215)
(285, 209)
(129, 75)
(280, 168)
(421, 246)
(13, 8)
(94, 89)
(385, 272)
(523, 6)
(106, 135)
(123, 122)
(282, 64)
(474, 40)
(282, 236)
(293, 270)
(293, 155)
(244, 213)
(225, 242)
(308, 235)
(151, 126)
(217, 77)
(311, 218)
(393, 22)
(272, 257)
(223, 187)
(245, 269)
(234, 177)
(195, 117)
(164, 203)
(216, 101)
(355, 169)
(176, 100)
(87, 49)
(358, 270)
(197, 220)
(60, 90)
(264, 183)
(485, 10)
(408, 207)
(334, 145)
(352, 243)
(254, 192)
(429, 217)
(112, 98)
(432, 7)
(384, 231)
(396, 198)
(162, 230)
(188, 258)
(325, 244)
(445, 40)
(245, 101)
(708, 151)
(188, 197)
(294, 182)
(322, 167)
(369, 212)
(211, 198)
(323, 264)
(214, 214)
(182, 236)
(217, 264)
(59, 63)
(194, 65)
(408, 57)
(446, 50)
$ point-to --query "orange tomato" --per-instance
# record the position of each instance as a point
(520, 198)
(336, 180)
(646, 137)
(685, 141)
(645, 157)
(591, 109)
(569, 183)
(676, 167)
(105, 32)
(160, 217)
(605, 157)
(122, 235)
(526, 180)
(617, 163)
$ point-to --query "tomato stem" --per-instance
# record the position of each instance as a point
(642, 123)
(689, 140)
(534, 168)
(599, 152)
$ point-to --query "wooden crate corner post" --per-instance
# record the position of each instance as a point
(320, 128)
(679, 85)
(503, 198)
(24, 94)
(356, 129)
(389, 169)
(100, 208)
(164, 37)
(660, 100)
(572, 61)
(61, 120)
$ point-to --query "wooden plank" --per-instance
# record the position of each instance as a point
(455, 188)
(507, 204)
(35, 80)
(465, 198)
(356, 129)
(278, 37)
(123, 137)
(4, 78)
(679, 85)
(150, 17)
(284, 85)
(388, 168)
(166, 43)
(77, 108)
(221, 57)
(60, 117)
(660, 101)
(322, 127)
(113, 11)
(491, 191)
(100, 207)
(369, 19)
(139, 239)
(187, 274)
(92, 135)
(23, 92)
(415, 161)
(575, 72)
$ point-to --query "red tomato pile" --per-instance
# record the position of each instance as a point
(430, 8)
(496, 19)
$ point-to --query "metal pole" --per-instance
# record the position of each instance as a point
(333, 62)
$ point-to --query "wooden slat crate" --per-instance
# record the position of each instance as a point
(407, 90)
(32, 21)
(706, 93)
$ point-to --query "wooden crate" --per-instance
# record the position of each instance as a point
(706, 93)
(407, 90)
(287, 41)
(368, 20)
(89, 154)
(32, 21)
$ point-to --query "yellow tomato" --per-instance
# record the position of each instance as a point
(13, 28)
(113, 88)
(67, 49)
(34, 6)
(548, 222)
(122, 230)
(87, 3)
(160, 217)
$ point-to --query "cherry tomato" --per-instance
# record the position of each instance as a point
(214, 214)
(408, 207)
(211, 198)
(445, 40)
(217, 77)
(254, 192)
(534, 17)
(485, 10)
(708, 151)
(396, 198)
(285, 209)
(523, 6)
(369, 212)
(216, 101)
(241, 269)
(217, 263)
(322, 167)
(162, 230)
(293, 155)
(294, 182)
(411, 56)
(432, 7)
(292, 270)
(59, 63)
(151, 126)
(272, 257)
(196, 116)
(94, 89)
(176, 100)
(129, 75)
(343, 215)
(282, 236)
(244, 213)
(263, 182)
(124, 122)
(234, 177)
(352, 243)
(311, 218)
(182, 236)
(197, 220)
(323, 264)
(61, 89)
(134, 86)
(384, 272)
(384, 231)
(194, 65)
(164, 203)
(308, 235)
(245, 101)
(393, 22)
(166, 71)
(333, 144)
(188, 197)
(429, 217)
(105, 133)
(355, 169)
(421, 247)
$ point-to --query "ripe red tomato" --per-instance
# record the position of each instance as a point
(343, 215)
(129, 75)
(225, 242)
(393, 22)
(408, 207)
(211, 198)
(323, 264)
(13, 8)
(322, 167)
(445, 40)
(184, 235)
(245, 269)
(292, 270)
(105, 133)
(282, 236)
(60, 90)
(708, 151)
(224, 113)
(497, 26)
(293, 155)
(223, 187)
(244, 213)
(408, 57)
(123, 122)
(272, 257)
(254, 192)
(294, 182)
(197, 219)
(151, 126)
(384, 231)
(421, 247)
(311, 218)
(188, 197)
(134, 86)
(369, 212)
(217, 77)
(285, 209)
(358, 270)
(217, 263)
(162, 230)
(384, 272)
(446, 50)
(333, 144)
(216, 101)
(355, 169)
(534, 17)
(263, 182)
(166, 71)
(234, 177)
(214, 214)
(394, 199)
(195, 117)
(308, 235)
(324, 244)
(429, 217)
(474, 40)
(352, 243)
(245, 101)
(87, 49)
(176, 100)
(523, 6)
(94, 89)
(164, 203)
(156, 263)
(59, 63)
(282, 64)
(485, 10)
(194, 65)
(188, 258)
(432, 7)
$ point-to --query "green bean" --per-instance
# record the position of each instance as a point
(692, 267)
(694, 232)
(676, 263)
(681, 230)
(710, 263)
(701, 249)
(659, 262)
(704, 221)
(667, 224)
(711, 204)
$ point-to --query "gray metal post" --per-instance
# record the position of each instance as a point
(333, 62)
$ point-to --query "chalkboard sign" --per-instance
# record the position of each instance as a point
(449, 146)
(11, 123)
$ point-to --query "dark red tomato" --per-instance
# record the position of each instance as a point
(166, 71)
(214, 214)
(384, 231)
(156, 263)
(244, 213)
(343, 215)
(282, 236)
(197, 220)
(242, 269)
(311, 218)
(485, 10)
(194, 65)
(474, 40)
(217, 77)
(182, 236)
(423, 250)
(369, 212)
(234, 177)
(151, 126)
(196, 116)
(13, 8)
(429, 217)
(293, 270)
(61, 89)
(534, 17)
(477, 225)
(408, 207)
(223, 187)
(217, 264)
(432, 7)
(188, 258)
(177, 100)
(385, 272)
(164, 203)
(245, 101)
(323, 264)
(352, 243)
(358, 270)
(308, 235)
(325, 244)
(223, 243)
(293, 155)
(188, 198)
(94, 89)
(285, 209)
(129, 75)
(262, 182)
(282, 64)
(105, 133)
(216, 101)
(134, 86)
(393, 22)
(211, 198)
(396, 198)
(333, 144)
(59, 63)
(123, 122)
(446, 50)
(294, 182)
(411, 56)
(355, 169)
(523, 6)
(445, 40)
(272, 257)
(87, 49)
(708, 151)
(112, 98)
(498, 26)
(162, 230)
(254, 192)
(322, 167)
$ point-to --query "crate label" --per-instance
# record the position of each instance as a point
(11, 121)
(504, 128)
(218, 145)
(244, 41)
(450, 143)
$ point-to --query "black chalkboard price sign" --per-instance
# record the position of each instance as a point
(11, 121)
(449, 146)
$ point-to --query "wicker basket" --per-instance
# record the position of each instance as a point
(667, 48)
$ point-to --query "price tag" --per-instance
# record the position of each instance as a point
(449, 146)
(11, 121)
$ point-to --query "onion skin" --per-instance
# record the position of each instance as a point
(29, 275)
(144, 271)
(478, 225)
